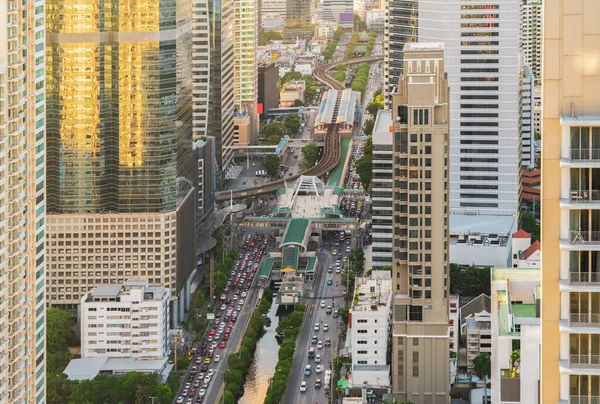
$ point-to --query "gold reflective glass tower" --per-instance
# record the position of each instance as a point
(22, 204)
(570, 326)
(420, 110)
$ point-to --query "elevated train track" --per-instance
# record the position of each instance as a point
(331, 148)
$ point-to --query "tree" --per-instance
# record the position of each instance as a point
(183, 363)
(356, 260)
(344, 312)
(482, 365)
(368, 146)
(228, 397)
(368, 127)
(267, 36)
(359, 24)
(298, 103)
(292, 124)
(58, 332)
(471, 281)
(163, 394)
(274, 129)
(289, 76)
(337, 35)
(515, 359)
(375, 105)
(530, 225)
(310, 152)
(58, 388)
(364, 169)
(272, 165)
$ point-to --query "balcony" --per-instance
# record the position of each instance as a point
(585, 154)
(579, 237)
(584, 399)
(584, 279)
(584, 361)
(584, 320)
(585, 196)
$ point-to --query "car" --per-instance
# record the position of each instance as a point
(192, 393)
(327, 341)
(180, 400)
(222, 345)
(207, 361)
(336, 314)
(303, 387)
(202, 392)
(244, 294)
(318, 384)
(194, 370)
(329, 270)
(201, 376)
(329, 282)
(320, 345)
(223, 306)
(184, 392)
(314, 339)
(323, 303)
(188, 385)
(317, 327)
(318, 369)
(348, 249)
(325, 327)
(196, 384)
(307, 370)
(317, 358)
(213, 345)
(328, 310)
(337, 270)
(334, 253)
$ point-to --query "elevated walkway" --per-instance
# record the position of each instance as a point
(290, 259)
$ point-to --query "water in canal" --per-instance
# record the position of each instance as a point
(263, 366)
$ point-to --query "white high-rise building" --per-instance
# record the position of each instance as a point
(481, 58)
(370, 328)
(273, 13)
(125, 321)
(22, 202)
(201, 48)
(526, 106)
(531, 35)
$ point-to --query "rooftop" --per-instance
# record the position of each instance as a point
(381, 281)
(524, 310)
(296, 232)
(88, 368)
(424, 46)
(482, 224)
(347, 107)
(383, 123)
(516, 274)
(267, 266)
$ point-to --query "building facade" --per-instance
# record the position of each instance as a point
(382, 218)
(335, 10)
(135, 315)
(22, 204)
(531, 35)
(268, 93)
(477, 328)
(420, 111)
(481, 55)
(526, 111)
(298, 13)
(570, 243)
(370, 329)
(121, 167)
(201, 48)
(205, 177)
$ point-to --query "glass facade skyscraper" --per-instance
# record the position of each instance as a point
(119, 95)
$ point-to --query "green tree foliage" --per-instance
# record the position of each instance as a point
(310, 152)
(356, 260)
(272, 165)
(337, 35)
(183, 362)
(344, 313)
(368, 146)
(471, 281)
(292, 124)
(267, 36)
(359, 24)
(482, 365)
(298, 103)
(351, 46)
(329, 50)
(274, 132)
(371, 43)
(368, 127)
(289, 76)
(364, 169)
(339, 77)
(375, 105)
(530, 225)
(361, 78)
(58, 330)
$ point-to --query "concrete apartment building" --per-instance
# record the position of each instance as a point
(298, 13)
(370, 328)
(420, 111)
(515, 324)
(526, 111)
(382, 195)
(530, 42)
(135, 317)
(453, 322)
(22, 201)
(570, 229)
(477, 328)
(117, 208)
(481, 59)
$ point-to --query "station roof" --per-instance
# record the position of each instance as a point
(347, 107)
(327, 106)
(297, 232)
(265, 271)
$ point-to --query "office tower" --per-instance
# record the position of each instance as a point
(22, 205)
(201, 48)
(526, 111)
(530, 41)
(481, 49)
(220, 115)
(268, 91)
(205, 176)
(120, 161)
(570, 239)
(273, 14)
(340, 11)
(382, 190)
(298, 13)
(420, 111)
(245, 92)
(360, 9)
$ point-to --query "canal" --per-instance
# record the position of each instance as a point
(263, 366)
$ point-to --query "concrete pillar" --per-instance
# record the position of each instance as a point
(188, 294)
(174, 313)
(181, 304)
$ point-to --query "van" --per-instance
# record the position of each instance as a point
(307, 370)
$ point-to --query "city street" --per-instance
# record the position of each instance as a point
(329, 294)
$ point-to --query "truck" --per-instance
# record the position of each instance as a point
(327, 379)
(311, 353)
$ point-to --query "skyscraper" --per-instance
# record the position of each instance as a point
(22, 205)
(531, 35)
(298, 13)
(481, 55)
(201, 50)
(120, 160)
(570, 326)
(420, 111)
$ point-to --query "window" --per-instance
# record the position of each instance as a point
(426, 117)
(361, 331)
(361, 321)
(415, 357)
(415, 341)
(361, 342)
(362, 352)
(416, 313)
(415, 371)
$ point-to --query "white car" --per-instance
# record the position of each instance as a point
(323, 304)
(320, 345)
(217, 358)
(302, 387)
(318, 359)
(202, 393)
(318, 369)
(325, 327)
(317, 327)
(180, 400)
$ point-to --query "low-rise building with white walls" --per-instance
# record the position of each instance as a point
(525, 253)
(125, 321)
(454, 323)
(516, 302)
(370, 329)
(478, 331)
(481, 240)
(375, 20)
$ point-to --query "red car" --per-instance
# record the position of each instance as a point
(225, 337)
(222, 345)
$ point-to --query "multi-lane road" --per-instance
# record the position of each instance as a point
(332, 296)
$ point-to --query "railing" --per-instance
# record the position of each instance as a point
(584, 399)
(579, 196)
(584, 361)
(585, 278)
(585, 154)
(584, 237)
(584, 320)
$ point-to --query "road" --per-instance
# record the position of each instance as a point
(321, 292)
(292, 162)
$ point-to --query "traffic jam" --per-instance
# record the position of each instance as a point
(209, 351)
